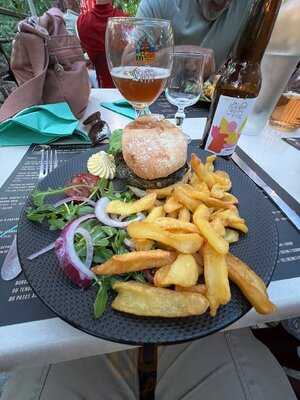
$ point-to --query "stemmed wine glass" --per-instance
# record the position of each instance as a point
(184, 86)
(139, 54)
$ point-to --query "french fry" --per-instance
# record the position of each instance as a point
(158, 203)
(230, 215)
(232, 219)
(173, 214)
(171, 205)
(155, 213)
(172, 224)
(223, 179)
(202, 212)
(216, 279)
(202, 187)
(160, 276)
(134, 261)
(231, 236)
(251, 285)
(163, 192)
(217, 191)
(143, 244)
(230, 198)
(187, 243)
(187, 201)
(194, 180)
(201, 171)
(200, 288)
(209, 233)
(146, 244)
(203, 197)
(239, 226)
(145, 300)
(121, 208)
(218, 226)
(184, 215)
(199, 260)
(209, 164)
(183, 271)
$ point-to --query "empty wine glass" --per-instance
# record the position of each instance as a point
(184, 87)
(139, 54)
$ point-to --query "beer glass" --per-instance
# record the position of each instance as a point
(139, 54)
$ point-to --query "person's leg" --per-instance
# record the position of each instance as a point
(232, 365)
(106, 377)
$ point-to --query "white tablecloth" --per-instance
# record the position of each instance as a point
(52, 340)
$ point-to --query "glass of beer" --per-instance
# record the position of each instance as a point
(139, 54)
(286, 115)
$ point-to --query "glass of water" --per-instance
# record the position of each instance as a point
(184, 86)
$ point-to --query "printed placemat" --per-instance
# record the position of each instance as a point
(17, 301)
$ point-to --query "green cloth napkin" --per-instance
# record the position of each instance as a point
(40, 124)
(121, 107)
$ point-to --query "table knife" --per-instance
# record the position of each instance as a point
(286, 209)
(11, 267)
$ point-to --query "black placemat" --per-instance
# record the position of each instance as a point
(17, 301)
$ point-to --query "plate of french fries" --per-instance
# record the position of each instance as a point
(207, 247)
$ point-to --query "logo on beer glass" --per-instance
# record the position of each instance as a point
(145, 50)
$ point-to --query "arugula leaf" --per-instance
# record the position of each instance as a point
(39, 197)
(139, 277)
(102, 254)
(40, 213)
(109, 231)
(115, 142)
(85, 210)
(56, 223)
(101, 300)
(118, 243)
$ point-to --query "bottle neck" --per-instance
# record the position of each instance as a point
(256, 35)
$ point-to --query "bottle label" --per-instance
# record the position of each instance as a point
(228, 123)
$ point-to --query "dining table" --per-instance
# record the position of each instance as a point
(48, 340)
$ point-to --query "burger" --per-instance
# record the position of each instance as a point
(154, 153)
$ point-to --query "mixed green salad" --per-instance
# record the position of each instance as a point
(85, 193)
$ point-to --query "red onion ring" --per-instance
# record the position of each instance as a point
(105, 219)
(42, 251)
(89, 245)
(68, 259)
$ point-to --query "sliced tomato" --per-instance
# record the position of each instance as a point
(83, 178)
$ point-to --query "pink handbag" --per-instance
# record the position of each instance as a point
(49, 66)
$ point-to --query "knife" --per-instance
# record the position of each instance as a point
(11, 267)
(287, 210)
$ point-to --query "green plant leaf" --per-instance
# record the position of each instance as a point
(115, 142)
(100, 301)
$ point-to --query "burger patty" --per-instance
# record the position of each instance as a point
(124, 173)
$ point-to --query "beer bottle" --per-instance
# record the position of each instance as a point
(240, 81)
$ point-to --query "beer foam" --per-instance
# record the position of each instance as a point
(140, 73)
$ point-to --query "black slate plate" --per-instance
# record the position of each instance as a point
(259, 249)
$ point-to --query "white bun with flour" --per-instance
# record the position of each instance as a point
(153, 148)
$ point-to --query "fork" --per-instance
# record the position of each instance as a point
(11, 267)
(49, 161)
